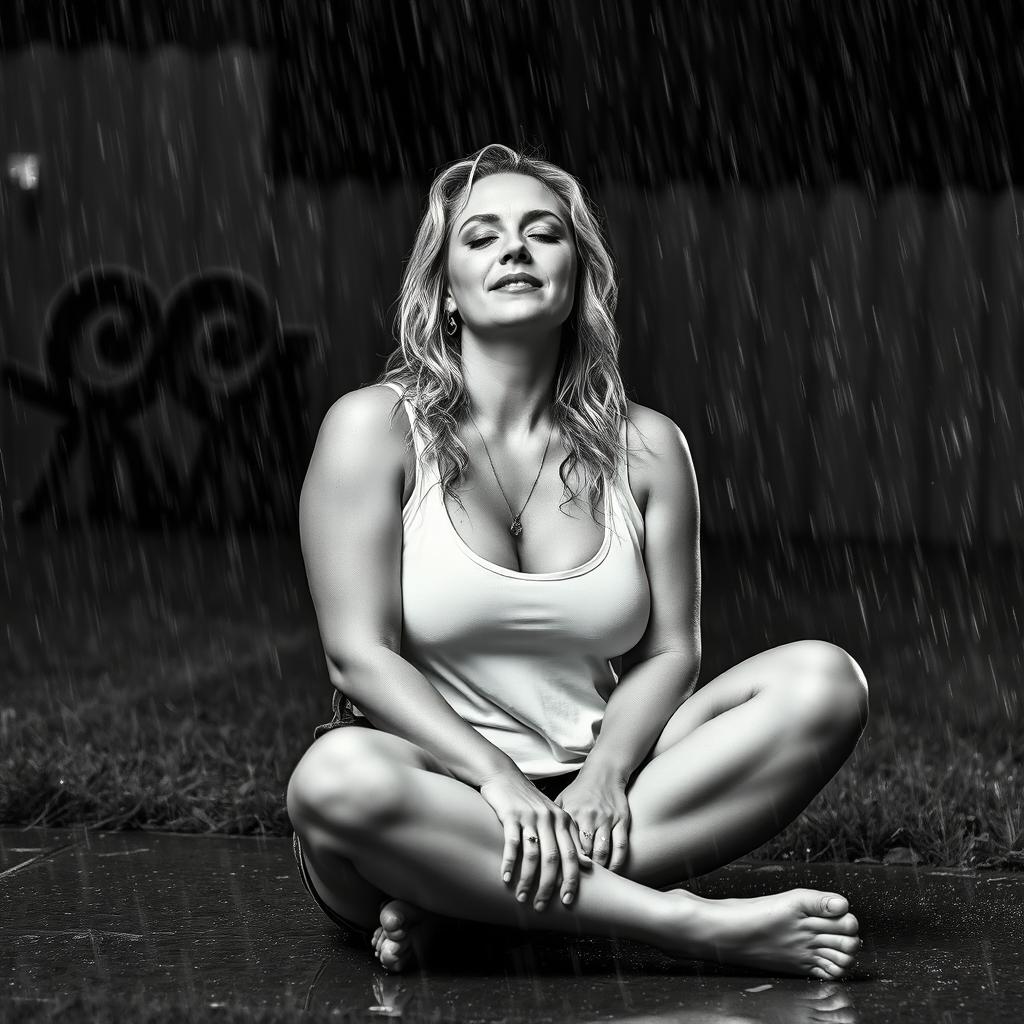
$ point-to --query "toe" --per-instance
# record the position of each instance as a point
(845, 943)
(830, 967)
(397, 914)
(837, 957)
(831, 904)
(815, 903)
(845, 925)
(395, 956)
(391, 919)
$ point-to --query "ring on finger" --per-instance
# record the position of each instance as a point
(532, 839)
(586, 835)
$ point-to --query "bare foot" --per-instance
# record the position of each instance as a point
(802, 931)
(404, 934)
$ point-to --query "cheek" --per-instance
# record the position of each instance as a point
(463, 272)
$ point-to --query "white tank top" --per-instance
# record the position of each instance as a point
(525, 658)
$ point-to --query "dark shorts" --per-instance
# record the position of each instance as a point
(550, 787)
(342, 922)
(554, 784)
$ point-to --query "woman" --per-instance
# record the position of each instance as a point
(531, 749)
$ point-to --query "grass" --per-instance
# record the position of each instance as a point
(171, 684)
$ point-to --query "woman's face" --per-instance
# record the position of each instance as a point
(512, 225)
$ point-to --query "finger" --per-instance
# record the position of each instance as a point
(550, 864)
(528, 861)
(586, 832)
(602, 846)
(620, 845)
(567, 838)
(510, 851)
(577, 840)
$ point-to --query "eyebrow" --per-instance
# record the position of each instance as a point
(493, 218)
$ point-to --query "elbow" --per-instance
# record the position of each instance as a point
(352, 671)
(687, 672)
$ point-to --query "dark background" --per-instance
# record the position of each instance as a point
(167, 679)
(650, 91)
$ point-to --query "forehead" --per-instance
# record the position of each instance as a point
(509, 194)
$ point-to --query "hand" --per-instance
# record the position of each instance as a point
(524, 812)
(598, 805)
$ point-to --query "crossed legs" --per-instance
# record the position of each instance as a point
(379, 817)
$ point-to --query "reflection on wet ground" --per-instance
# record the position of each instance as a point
(224, 920)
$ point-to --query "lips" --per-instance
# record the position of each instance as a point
(510, 278)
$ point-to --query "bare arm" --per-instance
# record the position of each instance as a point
(661, 671)
(350, 524)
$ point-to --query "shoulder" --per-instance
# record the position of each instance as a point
(362, 432)
(659, 456)
(365, 416)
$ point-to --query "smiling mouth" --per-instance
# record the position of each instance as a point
(517, 286)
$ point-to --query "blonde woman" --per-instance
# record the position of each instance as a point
(503, 553)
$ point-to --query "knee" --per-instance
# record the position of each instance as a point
(342, 783)
(827, 688)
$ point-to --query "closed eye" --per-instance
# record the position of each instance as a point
(479, 243)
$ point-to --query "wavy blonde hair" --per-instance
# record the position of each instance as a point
(589, 401)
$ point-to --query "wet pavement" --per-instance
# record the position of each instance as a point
(225, 920)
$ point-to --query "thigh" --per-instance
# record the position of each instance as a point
(731, 688)
(331, 749)
(333, 882)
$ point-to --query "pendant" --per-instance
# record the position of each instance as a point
(516, 528)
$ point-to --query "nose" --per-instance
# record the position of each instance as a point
(515, 250)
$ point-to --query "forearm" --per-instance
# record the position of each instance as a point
(396, 697)
(644, 699)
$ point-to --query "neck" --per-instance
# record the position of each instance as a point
(510, 385)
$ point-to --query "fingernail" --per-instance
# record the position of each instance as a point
(567, 898)
(507, 877)
(539, 905)
(521, 897)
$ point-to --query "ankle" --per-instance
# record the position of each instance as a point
(679, 917)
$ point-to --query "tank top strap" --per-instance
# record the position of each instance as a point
(426, 473)
(621, 478)
(417, 434)
(623, 496)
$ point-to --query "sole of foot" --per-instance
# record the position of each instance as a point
(801, 932)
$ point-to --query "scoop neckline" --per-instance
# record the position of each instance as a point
(588, 566)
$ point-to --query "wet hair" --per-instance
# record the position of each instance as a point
(589, 396)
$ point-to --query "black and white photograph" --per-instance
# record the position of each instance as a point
(511, 511)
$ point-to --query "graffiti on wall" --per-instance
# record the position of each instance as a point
(189, 410)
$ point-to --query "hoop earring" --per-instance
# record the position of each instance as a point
(451, 325)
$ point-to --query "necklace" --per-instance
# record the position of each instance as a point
(516, 527)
